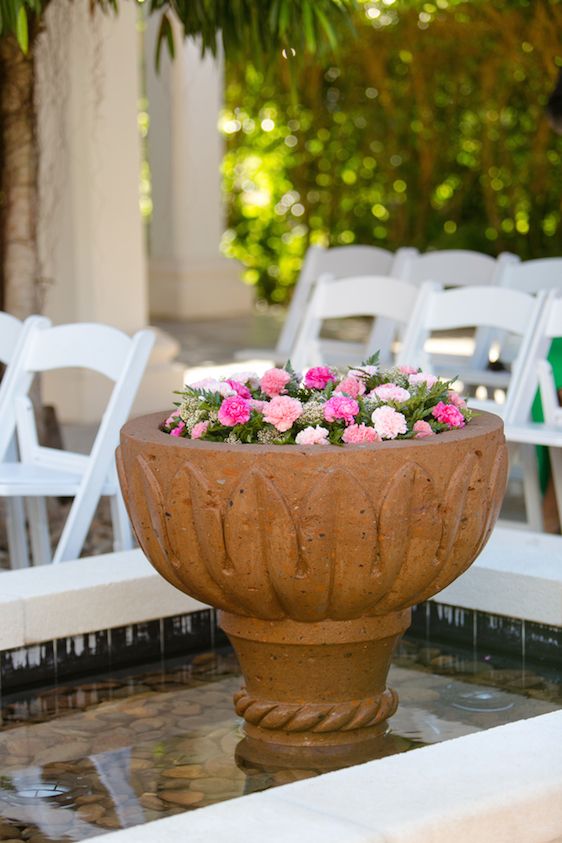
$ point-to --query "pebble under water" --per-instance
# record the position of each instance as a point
(132, 746)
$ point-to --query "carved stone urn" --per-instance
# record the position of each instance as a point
(314, 556)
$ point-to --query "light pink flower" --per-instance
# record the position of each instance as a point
(422, 377)
(213, 385)
(251, 378)
(234, 411)
(448, 414)
(319, 377)
(274, 381)
(456, 399)
(341, 407)
(360, 434)
(313, 436)
(239, 388)
(199, 429)
(352, 386)
(407, 370)
(282, 412)
(391, 392)
(389, 422)
(422, 429)
(177, 431)
(172, 419)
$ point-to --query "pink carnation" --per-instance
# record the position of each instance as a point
(239, 388)
(391, 392)
(313, 436)
(199, 429)
(177, 431)
(172, 419)
(422, 377)
(341, 407)
(422, 429)
(456, 399)
(274, 381)
(352, 386)
(360, 434)
(448, 414)
(319, 377)
(234, 411)
(282, 412)
(407, 370)
(389, 422)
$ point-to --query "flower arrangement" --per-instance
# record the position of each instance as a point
(365, 405)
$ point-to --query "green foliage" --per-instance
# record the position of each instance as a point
(428, 131)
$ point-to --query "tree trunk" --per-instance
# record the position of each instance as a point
(19, 160)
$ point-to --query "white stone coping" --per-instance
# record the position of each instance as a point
(519, 574)
(98, 592)
(503, 785)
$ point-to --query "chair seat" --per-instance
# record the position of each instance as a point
(27, 480)
(534, 433)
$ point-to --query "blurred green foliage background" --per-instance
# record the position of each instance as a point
(429, 131)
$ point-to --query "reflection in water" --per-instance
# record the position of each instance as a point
(125, 749)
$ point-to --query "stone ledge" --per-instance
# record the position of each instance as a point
(497, 786)
(518, 574)
(85, 595)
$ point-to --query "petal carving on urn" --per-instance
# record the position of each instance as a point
(196, 537)
(331, 545)
(466, 512)
(257, 529)
(497, 486)
(337, 530)
(147, 513)
(409, 534)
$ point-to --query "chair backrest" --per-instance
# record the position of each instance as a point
(535, 275)
(488, 307)
(338, 262)
(99, 348)
(455, 268)
(367, 295)
(547, 328)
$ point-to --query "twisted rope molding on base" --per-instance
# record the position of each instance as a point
(316, 717)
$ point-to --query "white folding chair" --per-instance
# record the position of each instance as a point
(462, 268)
(520, 429)
(13, 336)
(489, 307)
(44, 472)
(337, 262)
(528, 277)
(370, 295)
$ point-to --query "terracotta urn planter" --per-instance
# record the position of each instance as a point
(314, 556)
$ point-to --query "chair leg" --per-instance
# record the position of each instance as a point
(531, 487)
(556, 467)
(39, 531)
(122, 533)
(18, 551)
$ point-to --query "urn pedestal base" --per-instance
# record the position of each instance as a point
(317, 689)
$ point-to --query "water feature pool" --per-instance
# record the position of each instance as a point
(127, 747)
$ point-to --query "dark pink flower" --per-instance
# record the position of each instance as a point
(179, 430)
(341, 407)
(234, 411)
(319, 377)
(448, 414)
(239, 388)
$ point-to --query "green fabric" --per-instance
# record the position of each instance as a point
(555, 360)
